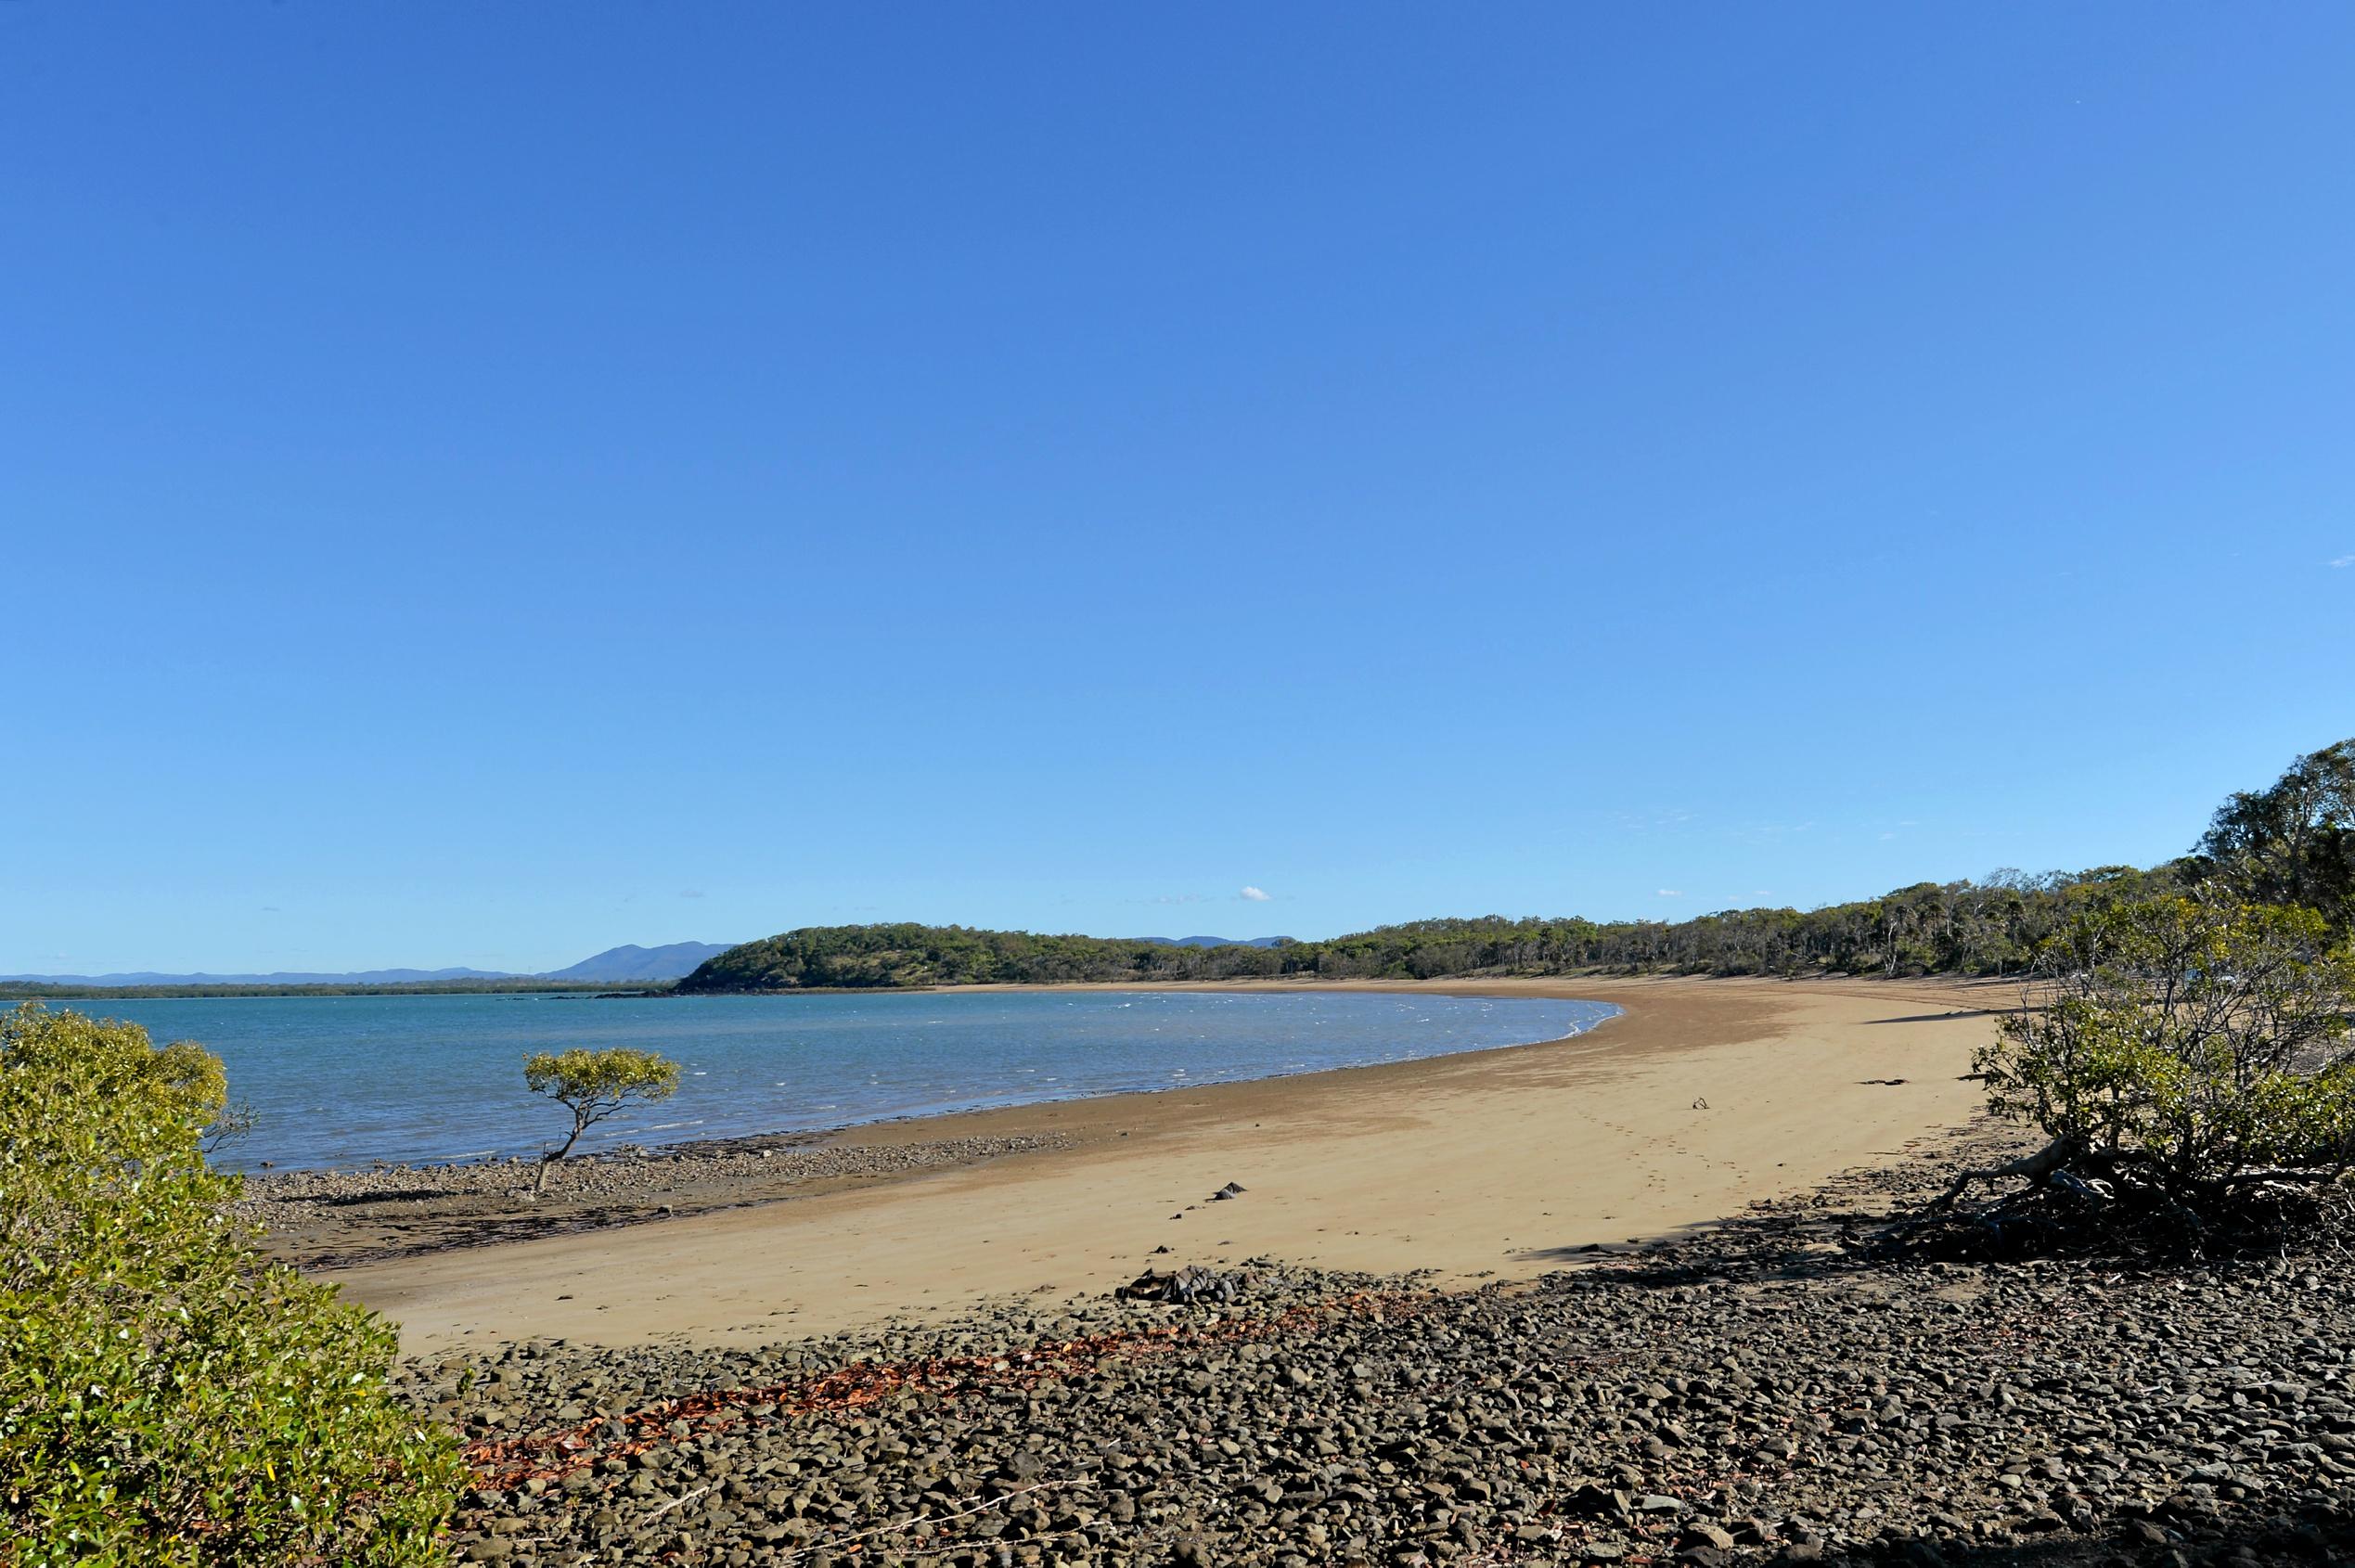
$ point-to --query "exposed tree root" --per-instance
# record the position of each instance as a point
(2076, 1203)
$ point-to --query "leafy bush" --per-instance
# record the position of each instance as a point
(2204, 1042)
(165, 1397)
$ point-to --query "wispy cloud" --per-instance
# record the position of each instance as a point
(1770, 831)
(1669, 892)
(1255, 895)
(2344, 560)
(1650, 821)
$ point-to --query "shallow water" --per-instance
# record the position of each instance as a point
(345, 1080)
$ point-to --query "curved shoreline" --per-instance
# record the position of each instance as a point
(276, 1175)
(1701, 1098)
(345, 1216)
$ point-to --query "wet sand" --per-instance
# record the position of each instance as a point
(1706, 1096)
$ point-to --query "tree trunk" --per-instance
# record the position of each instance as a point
(539, 1178)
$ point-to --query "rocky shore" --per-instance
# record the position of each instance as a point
(328, 1217)
(1768, 1389)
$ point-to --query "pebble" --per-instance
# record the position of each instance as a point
(1759, 1392)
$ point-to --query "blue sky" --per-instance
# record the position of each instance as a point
(481, 483)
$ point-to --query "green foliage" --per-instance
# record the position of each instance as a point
(1971, 928)
(166, 1399)
(2200, 1038)
(2293, 842)
(888, 956)
(593, 1084)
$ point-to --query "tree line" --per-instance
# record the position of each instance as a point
(1988, 927)
(2292, 842)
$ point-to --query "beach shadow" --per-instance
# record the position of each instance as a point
(2179, 1529)
(1744, 1249)
(1943, 1017)
(388, 1195)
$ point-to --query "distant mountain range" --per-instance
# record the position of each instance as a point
(630, 961)
(364, 977)
(1212, 941)
(627, 963)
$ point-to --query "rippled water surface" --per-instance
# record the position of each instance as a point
(344, 1080)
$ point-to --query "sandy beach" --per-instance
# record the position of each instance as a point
(1703, 1097)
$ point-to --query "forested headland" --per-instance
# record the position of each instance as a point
(2292, 843)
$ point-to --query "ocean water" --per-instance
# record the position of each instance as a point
(343, 1081)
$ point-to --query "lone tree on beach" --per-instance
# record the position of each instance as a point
(592, 1086)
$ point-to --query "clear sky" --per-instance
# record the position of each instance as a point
(481, 483)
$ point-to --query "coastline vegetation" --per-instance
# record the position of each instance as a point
(2292, 842)
(167, 1398)
(2193, 1063)
(592, 1086)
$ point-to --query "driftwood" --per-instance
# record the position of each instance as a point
(680, 1501)
(2038, 1168)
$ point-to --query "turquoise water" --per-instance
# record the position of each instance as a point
(347, 1080)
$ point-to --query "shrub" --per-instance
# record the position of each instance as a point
(2202, 1043)
(166, 1398)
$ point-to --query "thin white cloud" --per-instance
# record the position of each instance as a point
(2344, 560)
(1669, 892)
(1255, 895)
